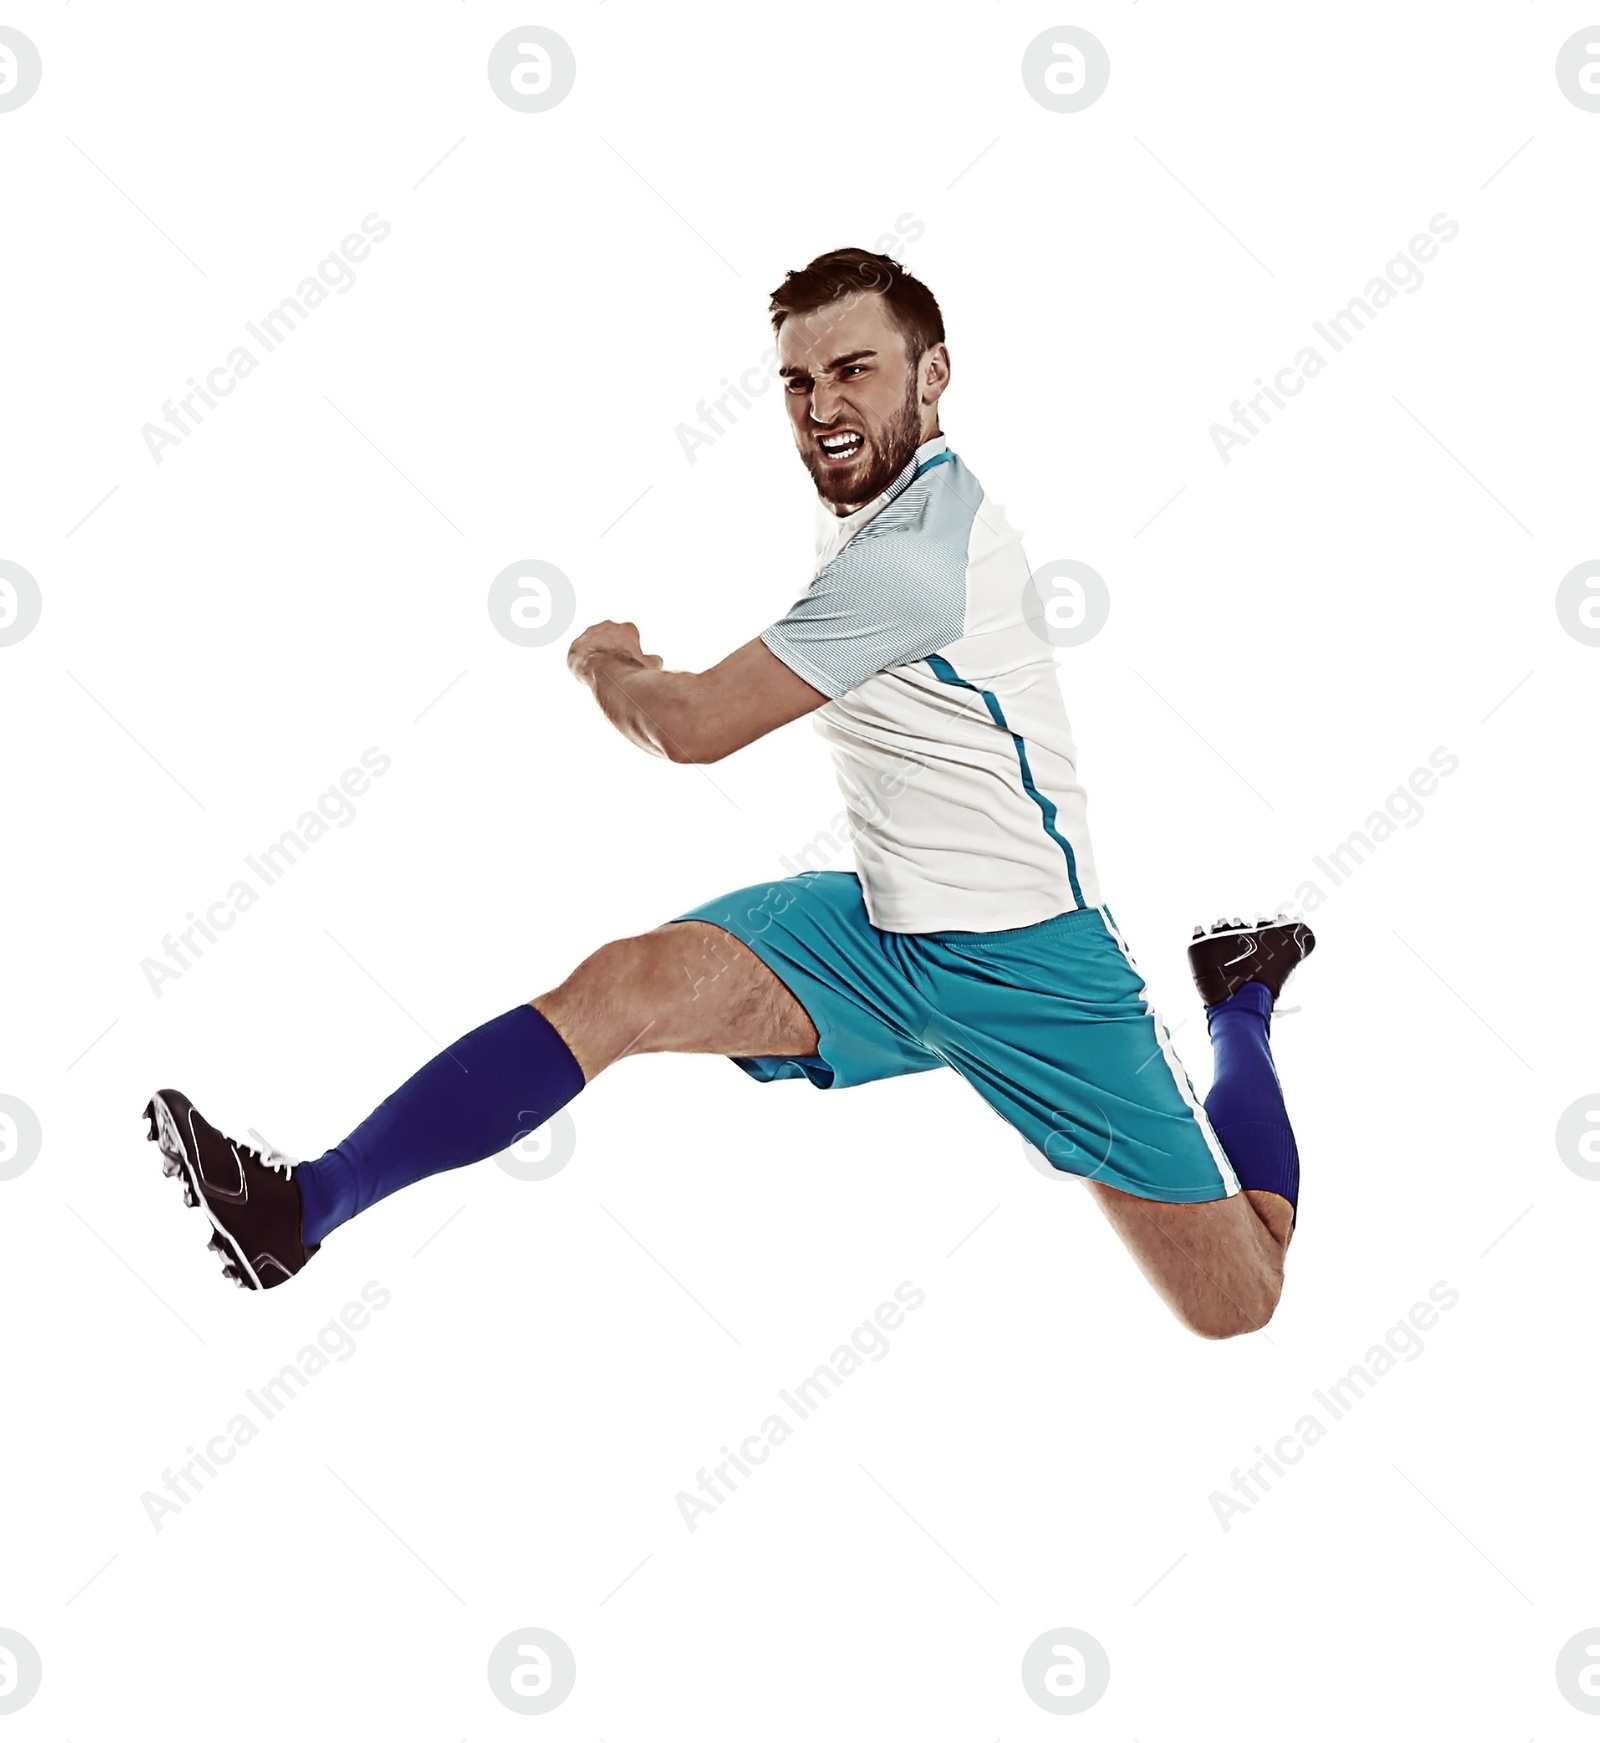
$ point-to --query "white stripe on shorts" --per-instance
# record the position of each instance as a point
(1230, 1181)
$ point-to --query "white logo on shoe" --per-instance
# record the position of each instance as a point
(240, 1195)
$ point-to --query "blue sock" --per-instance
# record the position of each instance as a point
(476, 1099)
(1245, 1105)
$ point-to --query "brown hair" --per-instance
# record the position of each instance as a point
(853, 272)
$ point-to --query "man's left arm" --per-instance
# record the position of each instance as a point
(688, 717)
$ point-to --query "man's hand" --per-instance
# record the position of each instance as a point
(608, 641)
(688, 717)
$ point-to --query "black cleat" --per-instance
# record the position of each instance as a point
(1232, 954)
(252, 1199)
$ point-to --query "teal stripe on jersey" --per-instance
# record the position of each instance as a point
(946, 673)
(929, 464)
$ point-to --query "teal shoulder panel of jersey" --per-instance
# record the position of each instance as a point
(897, 592)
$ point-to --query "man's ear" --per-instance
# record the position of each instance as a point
(935, 372)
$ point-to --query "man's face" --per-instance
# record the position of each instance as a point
(858, 408)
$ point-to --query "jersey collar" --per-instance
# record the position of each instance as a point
(835, 531)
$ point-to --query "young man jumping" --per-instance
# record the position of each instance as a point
(972, 933)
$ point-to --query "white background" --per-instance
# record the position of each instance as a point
(1371, 578)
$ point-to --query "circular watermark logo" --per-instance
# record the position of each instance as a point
(531, 603)
(532, 1671)
(1578, 1670)
(538, 1154)
(1066, 69)
(531, 68)
(20, 1137)
(1578, 1137)
(20, 603)
(20, 1670)
(20, 68)
(1037, 1159)
(1077, 1147)
(1578, 602)
(1066, 603)
(1578, 69)
(1066, 1671)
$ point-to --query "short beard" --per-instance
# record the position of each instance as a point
(901, 439)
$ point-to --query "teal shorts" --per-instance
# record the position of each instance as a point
(1049, 1023)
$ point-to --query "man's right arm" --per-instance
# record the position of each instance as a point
(689, 717)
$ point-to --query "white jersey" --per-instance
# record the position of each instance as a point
(949, 734)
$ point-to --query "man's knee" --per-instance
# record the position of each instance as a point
(653, 992)
(605, 1001)
(644, 970)
(1219, 1316)
(614, 967)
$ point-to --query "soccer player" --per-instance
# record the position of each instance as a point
(972, 934)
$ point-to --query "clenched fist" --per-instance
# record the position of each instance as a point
(605, 642)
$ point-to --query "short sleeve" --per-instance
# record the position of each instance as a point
(888, 597)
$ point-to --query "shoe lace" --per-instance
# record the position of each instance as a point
(270, 1156)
